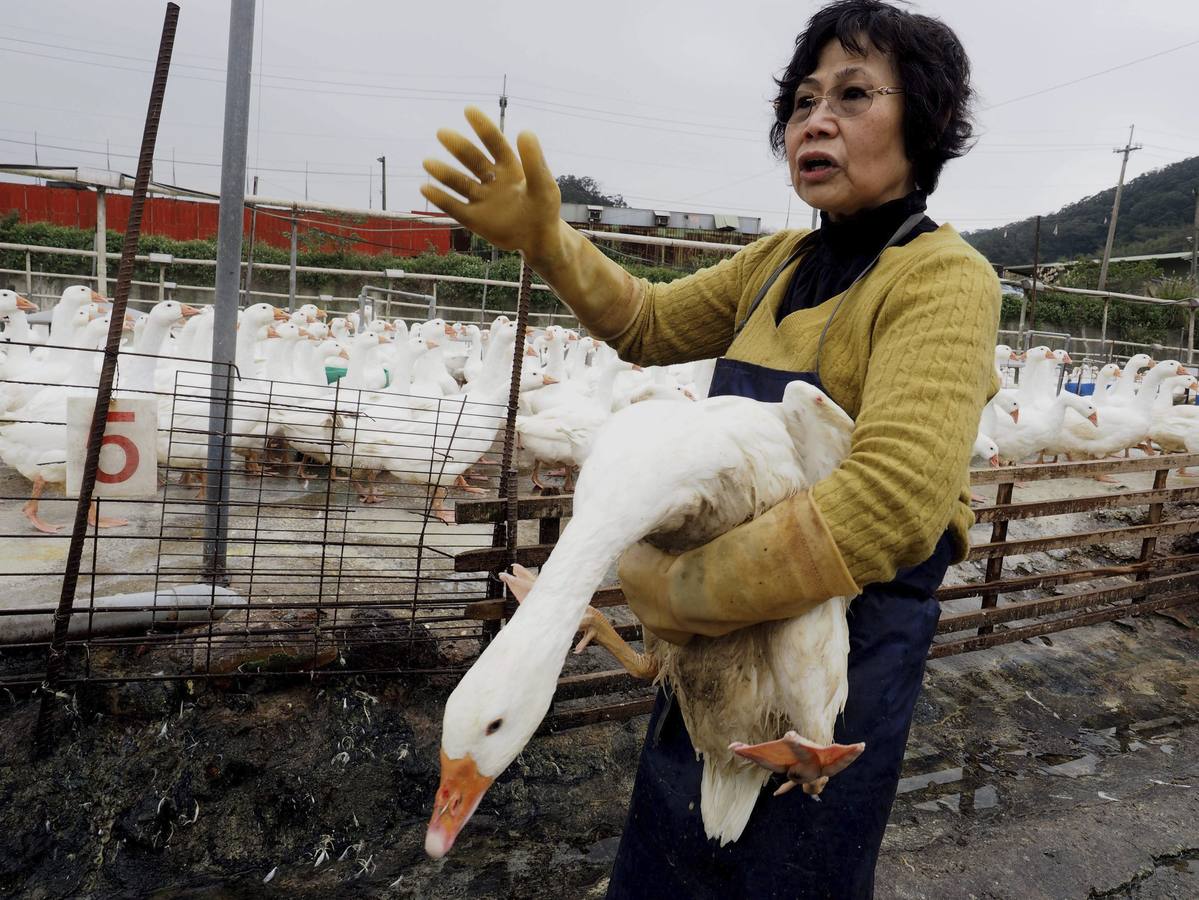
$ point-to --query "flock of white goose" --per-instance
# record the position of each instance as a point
(423, 404)
(1131, 407)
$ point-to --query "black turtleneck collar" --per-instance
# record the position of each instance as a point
(841, 250)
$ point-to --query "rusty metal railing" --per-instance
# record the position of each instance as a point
(1113, 572)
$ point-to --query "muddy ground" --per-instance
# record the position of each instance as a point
(1059, 769)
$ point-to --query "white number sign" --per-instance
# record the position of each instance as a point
(128, 452)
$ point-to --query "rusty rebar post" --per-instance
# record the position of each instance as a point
(505, 532)
(56, 659)
(990, 599)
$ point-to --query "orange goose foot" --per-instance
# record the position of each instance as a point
(802, 761)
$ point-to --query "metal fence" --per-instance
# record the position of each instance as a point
(1114, 572)
(391, 299)
(336, 556)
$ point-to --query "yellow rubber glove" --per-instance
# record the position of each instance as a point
(776, 566)
(515, 204)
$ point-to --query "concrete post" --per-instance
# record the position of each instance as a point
(29, 276)
(102, 242)
(228, 278)
(291, 275)
(162, 282)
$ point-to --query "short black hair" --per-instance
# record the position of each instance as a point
(932, 65)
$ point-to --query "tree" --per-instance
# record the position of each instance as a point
(585, 189)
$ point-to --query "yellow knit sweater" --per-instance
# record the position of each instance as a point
(909, 355)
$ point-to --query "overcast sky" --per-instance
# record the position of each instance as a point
(666, 103)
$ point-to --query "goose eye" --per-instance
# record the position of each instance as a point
(494, 726)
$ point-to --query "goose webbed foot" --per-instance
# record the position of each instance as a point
(101, 522)
(461, 482)
(30, 508)
(438, 507)
(594, 627)
(30, 511)
(804, 762)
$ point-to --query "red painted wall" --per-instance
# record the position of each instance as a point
(187, 220)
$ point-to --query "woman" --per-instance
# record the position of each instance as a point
(895, 318)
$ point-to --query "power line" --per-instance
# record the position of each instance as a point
(1083, 78)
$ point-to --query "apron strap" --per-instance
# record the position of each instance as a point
(769, 283)
(900, 233)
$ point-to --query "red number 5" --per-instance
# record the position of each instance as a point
(132, 458)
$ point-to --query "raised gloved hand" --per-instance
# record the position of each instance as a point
(514, 203)
(776, 566)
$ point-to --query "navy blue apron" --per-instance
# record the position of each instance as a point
(794, 846)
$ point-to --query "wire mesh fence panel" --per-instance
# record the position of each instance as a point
(325, 544)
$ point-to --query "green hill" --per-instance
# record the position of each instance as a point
(1156, 215)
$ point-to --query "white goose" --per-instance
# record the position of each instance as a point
(1123, 425)
(1174, 425)
(689, 472)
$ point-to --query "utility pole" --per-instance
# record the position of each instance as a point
(383, 160)
(1195, 243)
(1036, 264)
(250, 256)
(503, 102)
(1111, 228)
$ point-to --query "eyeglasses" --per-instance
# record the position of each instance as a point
(843, 102)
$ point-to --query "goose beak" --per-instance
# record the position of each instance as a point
(430, 344)
(1093, 418)
(281, 315)
(271, 332)
(1066, 358)
(1181, 369)
(548, 379)
(344, 354)
(25, 305)
(449, 331)
(320, 314)
(1013, 356)
(186, 311)
(461, 789)
(97, 298)
(994, 461)
(1016, 416)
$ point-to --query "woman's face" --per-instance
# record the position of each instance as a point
(867, 164)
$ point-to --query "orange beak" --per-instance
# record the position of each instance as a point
(430, 343)
(1181, 369)
(186, 311)
(548, 379)
(994, 461)
(96, 298)
(384, 339)
(344, 354)
(25, 305)
(461, 789)
(320, 314)
(1013, 356)
(1016, 416)
(1049, 354)
(271, 332)
(449, 330)
(1066, 358)
(281, 315)
(1093, 418)
(529, 351)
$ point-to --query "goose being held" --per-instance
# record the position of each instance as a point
(689, 472)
